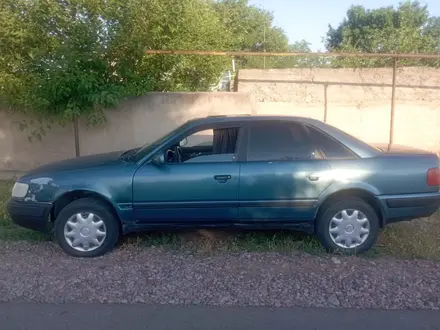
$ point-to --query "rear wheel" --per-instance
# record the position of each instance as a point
(86, 228)
(349, 226)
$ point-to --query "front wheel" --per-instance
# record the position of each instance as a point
(349, 226)
(86, 228)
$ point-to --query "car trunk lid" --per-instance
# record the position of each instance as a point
(419, 168)
(393, 149)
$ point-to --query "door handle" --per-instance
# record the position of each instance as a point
(222, 178)
(313, 177)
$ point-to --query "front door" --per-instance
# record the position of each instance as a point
(182, 192)
(281, 178)
(195, 187)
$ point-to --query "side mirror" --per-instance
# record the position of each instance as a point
(158, 159)
(183, 142)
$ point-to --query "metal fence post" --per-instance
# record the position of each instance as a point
(393, 101)
(325, 102)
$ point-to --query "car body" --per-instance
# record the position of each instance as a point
(249, 172)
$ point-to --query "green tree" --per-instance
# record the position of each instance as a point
(301, 46)
(405, 29)
(75, 57)
(289, 62)
(251, 29)
(432, 29)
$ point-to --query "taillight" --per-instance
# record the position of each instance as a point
(434, 177)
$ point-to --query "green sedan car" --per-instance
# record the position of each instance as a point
(250, 172)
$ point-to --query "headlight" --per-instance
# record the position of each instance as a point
(20, 189)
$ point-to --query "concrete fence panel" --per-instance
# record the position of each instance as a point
(17, 153)
(357, 101)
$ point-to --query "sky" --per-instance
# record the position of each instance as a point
(309, 19)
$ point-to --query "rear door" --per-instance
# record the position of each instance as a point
(281, 177)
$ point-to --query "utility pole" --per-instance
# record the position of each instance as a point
(264, 45)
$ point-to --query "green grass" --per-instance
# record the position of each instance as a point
(204, 241)
(417, 239)
(8, 230)
(278, 241)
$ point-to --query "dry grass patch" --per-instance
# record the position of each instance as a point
(416, 239)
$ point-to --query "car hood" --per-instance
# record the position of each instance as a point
(79, 163)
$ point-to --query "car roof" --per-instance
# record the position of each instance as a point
(250, 118)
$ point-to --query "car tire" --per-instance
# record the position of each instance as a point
(86, 228)
(335, 229)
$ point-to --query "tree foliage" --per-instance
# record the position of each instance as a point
(301, 46)
(67, 58)
(76, 57)
(288, 62)
(405, 29)
(432, 30)
(251, 28)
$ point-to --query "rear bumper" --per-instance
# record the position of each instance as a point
(407, 207)
(30, 215)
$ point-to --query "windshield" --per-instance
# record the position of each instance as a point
(146, 148)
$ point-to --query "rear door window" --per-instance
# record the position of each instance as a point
(328, 147)
(278, 142)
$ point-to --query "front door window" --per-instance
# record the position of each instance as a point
(212, 145)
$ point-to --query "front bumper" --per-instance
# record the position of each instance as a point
(30, 215)
(408, 207)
